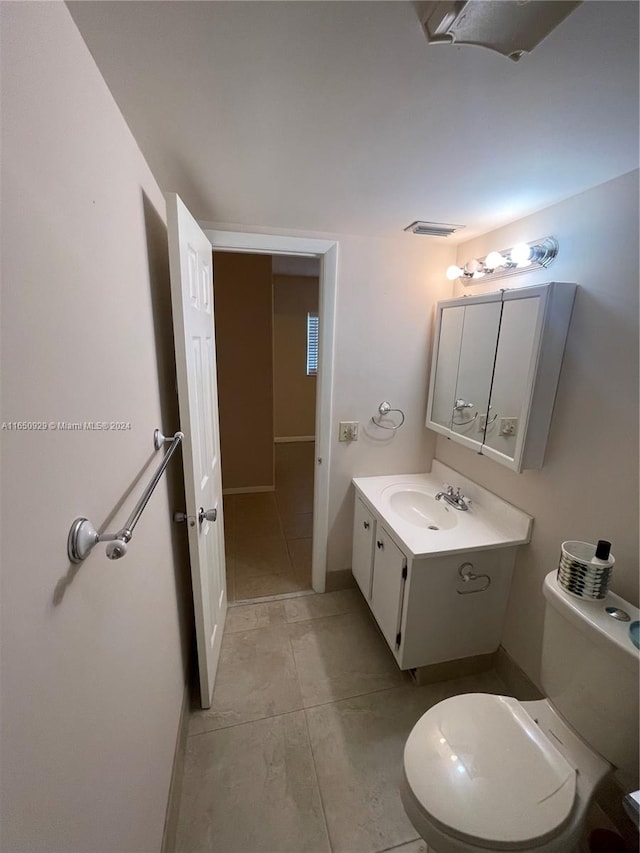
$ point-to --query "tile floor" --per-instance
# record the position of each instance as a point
(301, 750)
(268, 534)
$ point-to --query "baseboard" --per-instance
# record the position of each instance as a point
(342, 579)
(288, 439)
(175, 787)
(516, 680)
(450, 669)
(248, 490)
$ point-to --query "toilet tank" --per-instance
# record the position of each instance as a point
(590, 673)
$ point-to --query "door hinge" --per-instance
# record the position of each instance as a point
(398, 638)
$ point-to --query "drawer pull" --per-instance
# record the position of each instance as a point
(380, 544)
(366, 525)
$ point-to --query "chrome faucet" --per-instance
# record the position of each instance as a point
(454, 498)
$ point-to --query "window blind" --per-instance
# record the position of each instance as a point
(312, 344)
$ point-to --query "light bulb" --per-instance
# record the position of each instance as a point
(521, 254)
(454, 272)
(472, 267)
(494, 260)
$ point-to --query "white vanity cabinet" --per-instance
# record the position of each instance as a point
(424, 608)
(495, 370)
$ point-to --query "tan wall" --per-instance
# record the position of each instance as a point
(588, 487)
(244, 346)
(294, 393)
(92, 669)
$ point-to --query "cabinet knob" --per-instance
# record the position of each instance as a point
(366, 525)
(380, 544)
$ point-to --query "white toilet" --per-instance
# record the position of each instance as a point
(489, 773)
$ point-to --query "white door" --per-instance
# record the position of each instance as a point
(191, 264)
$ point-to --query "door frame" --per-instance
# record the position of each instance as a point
(327, 252)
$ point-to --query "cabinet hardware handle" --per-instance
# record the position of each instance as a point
(380, 544)
(366, 525)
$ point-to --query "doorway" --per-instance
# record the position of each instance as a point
(301, 467)
(266, 325)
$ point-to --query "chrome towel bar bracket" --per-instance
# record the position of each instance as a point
(83, 536)
(159, 439)
(384, 408)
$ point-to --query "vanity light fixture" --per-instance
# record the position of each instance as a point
(522, 257)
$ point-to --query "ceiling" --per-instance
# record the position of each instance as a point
(340, 117)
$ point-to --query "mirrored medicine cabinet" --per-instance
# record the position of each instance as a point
(495, 370)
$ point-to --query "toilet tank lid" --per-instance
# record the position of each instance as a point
(591, 617)
(480, 766)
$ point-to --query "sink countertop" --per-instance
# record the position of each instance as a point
(489, 523)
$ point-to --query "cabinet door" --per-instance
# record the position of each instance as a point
(389, 572)
(464, 353)
(445, 369)
(516, 361)
(475, 368)
(364, 531)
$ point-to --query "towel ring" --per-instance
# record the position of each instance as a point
(466, 573)
(384, 408)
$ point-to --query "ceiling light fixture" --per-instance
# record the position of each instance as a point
(510, 27)
(522, 257)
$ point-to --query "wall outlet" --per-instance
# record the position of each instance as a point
(508, 426)
(349, 430)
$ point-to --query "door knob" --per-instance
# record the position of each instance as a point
(208, 514)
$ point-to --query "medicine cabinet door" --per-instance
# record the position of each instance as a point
(514, 375)
(445, 367)
(475, 369)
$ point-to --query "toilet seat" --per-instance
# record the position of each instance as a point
(479, 767)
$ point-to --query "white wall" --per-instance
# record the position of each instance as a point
(92, 666)
(387, 289)
(588, 486)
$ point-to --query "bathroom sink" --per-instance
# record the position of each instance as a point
(421, 509)
(422, 526)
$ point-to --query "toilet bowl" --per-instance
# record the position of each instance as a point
(489, 773)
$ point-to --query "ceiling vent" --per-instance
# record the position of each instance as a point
(433, 229)
(510, 27)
